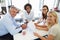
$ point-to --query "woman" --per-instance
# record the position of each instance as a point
(42, 20)
(54, 29)
(45, 10)
(28, 13)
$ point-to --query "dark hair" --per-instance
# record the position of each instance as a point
(46, 7)
(27, 5)
(45, 16)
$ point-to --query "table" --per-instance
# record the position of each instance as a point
(29, 33)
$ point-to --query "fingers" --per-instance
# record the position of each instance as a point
(24, 26)
(36, 34)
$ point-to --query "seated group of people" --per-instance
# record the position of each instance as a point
(9, 27)
(50, 20)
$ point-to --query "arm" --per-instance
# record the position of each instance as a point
(50, 37)
(11, 28)
(37, 35)
(53, 31)
(41, 27)
(36, 24)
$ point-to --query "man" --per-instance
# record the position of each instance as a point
(8, 26)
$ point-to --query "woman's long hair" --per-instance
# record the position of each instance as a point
(55, 15)
(45, 16)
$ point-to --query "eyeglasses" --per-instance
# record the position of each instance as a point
(44, 9)
(17, 12)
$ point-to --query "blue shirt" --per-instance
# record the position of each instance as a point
(8, 25)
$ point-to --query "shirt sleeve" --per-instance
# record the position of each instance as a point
(53, 31)
(10, 26)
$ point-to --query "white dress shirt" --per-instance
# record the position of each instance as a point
(27, 16)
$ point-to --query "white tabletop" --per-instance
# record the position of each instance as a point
(29, 33)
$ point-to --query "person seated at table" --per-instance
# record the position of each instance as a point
(45, 10)
(42, 19)
(28, 14)
(54, 30)
(8, 25)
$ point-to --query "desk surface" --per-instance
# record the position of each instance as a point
(29, 33)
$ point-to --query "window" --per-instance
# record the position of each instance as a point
(49, 3)
(36, 5)
(19, 3)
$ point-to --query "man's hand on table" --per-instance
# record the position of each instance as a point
(24, 26)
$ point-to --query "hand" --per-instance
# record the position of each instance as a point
(36, 34)
(38, 28)
(24, 26)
